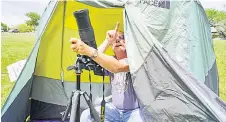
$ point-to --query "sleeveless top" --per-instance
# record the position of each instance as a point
(123, 95)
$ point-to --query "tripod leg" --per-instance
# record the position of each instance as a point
(93, 111)
(75, 106)
(65, 115)
(78, 109)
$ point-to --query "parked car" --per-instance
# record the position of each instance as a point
(2, 30)
(14, 31)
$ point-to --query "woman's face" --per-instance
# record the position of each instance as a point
(119, 44)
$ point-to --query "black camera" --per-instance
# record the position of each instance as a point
(85, 28)
(86, 34)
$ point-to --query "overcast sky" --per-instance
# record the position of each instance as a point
(13, 11)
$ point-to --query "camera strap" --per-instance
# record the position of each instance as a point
(90, 92)
(102, 111)
(90, 87)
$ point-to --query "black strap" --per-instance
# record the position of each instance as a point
(90, 91)
(103, 84)
(102, 111)
(90, 87)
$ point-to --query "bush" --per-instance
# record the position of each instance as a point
(24, 28)
(4, 27)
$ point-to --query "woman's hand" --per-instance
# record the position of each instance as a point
(80, 47)
(112, 34)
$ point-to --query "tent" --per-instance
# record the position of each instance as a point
(170, 55)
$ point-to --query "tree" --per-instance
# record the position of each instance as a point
(24, 28)
(215, 15)
(4, 26)
(34, 19)
(217, 20)
(221, 16)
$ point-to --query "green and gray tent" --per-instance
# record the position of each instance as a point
(170, 53)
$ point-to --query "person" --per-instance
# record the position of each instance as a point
(124, 106)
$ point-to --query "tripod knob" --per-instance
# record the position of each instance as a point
(84, 60)
(70, 68)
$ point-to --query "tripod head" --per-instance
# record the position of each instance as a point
(84, 62)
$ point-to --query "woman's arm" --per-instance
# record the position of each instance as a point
(109, 63)
(110, 38)
(104, 46)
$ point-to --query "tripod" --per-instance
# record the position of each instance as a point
(82, 62)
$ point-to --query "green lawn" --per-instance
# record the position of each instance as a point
(16, 47)
(220, 51)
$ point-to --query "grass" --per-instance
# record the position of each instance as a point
(220, 51)
(16, 47)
